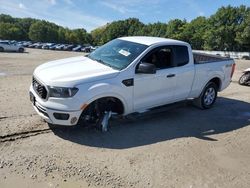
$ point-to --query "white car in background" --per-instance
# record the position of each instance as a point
(6, 46)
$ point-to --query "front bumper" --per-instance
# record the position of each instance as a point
(49, 116)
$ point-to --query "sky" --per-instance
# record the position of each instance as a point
(90, 14)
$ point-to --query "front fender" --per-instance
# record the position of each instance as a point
(100, 90)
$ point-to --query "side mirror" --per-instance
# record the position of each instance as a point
(146, 68)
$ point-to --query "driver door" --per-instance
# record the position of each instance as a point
(151, 90)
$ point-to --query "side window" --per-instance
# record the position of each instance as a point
(161, 57)
(181, 55)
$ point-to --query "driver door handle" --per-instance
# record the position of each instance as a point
(170, 75)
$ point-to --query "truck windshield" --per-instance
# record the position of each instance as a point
(117, 53)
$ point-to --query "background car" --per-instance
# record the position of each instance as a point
(59, 47)
(34, 45)
(11, 47)
(47, 45)
(77, 48)
(69, 47)
(26, 43)
(53, 47)
(39, 46)
(86, 49)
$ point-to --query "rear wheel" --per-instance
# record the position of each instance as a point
(21, 50)
(1, 49)
(244, 78)
(207, 97)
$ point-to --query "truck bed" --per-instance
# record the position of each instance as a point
(200, 58)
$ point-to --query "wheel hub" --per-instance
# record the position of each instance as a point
(209, 96)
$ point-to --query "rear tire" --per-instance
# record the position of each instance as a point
(207, 97)
(1, 49)
(21, 50)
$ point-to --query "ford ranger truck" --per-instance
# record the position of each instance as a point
(126, 75)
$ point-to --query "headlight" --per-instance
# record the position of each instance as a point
(62, 92)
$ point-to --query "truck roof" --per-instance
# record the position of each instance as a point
(152, 40)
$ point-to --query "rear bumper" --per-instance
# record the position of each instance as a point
(54, 116)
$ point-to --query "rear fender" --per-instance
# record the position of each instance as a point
(208, 80)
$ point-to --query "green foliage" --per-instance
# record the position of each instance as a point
(15, 28)
(10, 31)
(40, 30)
(6, 18)
(224, 26)
(25, 24)
(43, 31)
(79, 36)
(97, 35)
(128, 27)
(243, 34)
(156, 29)
(61, 35)
(194, 31)
(175, 29)
(227, 29)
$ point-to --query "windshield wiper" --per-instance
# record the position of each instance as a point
(100, 61)
(104, 63)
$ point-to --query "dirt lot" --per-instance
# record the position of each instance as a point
(180, 147)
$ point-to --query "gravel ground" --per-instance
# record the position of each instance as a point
(181, 146)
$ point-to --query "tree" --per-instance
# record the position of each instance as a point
(81, 36)
(61, 35)
(132, 26)
(175, 28)
(10, 31)
(194, 31)
(243, 35)
(156, 29)
(43, 31)
(6, 18)
(97, 33)
(227, 29)
(223, 27)
(128, 27)
(24, 24)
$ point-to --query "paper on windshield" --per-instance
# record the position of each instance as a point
(124, 52)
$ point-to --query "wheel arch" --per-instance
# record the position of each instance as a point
(123, 107)
(217, 81)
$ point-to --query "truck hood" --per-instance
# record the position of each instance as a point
(73, 71)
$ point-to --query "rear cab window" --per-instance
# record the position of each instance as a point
(181, 56)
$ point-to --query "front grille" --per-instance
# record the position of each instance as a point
(39, 88)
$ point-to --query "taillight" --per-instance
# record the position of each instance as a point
(233, 69)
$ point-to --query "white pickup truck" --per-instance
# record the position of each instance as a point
(126, 75)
